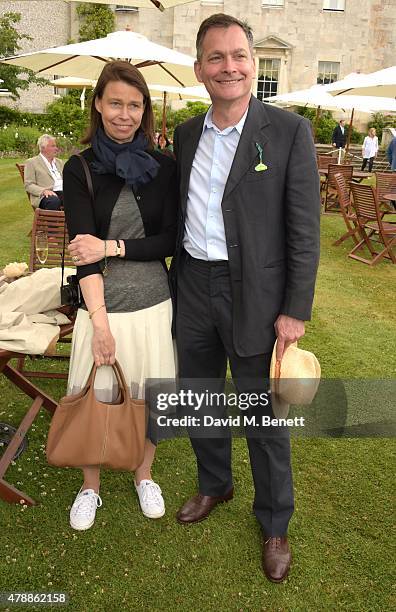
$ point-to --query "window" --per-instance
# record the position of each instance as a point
(272, 3)
(328, 72)
(268, 78)
(126, 7)
(333, 5)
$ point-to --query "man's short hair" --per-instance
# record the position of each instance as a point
(44, 140)
(220, 20)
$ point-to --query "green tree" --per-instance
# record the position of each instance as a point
(96, 21)
(10, 40)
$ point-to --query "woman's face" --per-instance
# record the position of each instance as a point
(122, 108)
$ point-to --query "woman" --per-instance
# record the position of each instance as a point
(369, 149)
(164, 145)
(119, 243)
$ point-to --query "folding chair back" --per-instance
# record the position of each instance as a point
(331, 196)
(52, 222)
(325, 160)
(373, 229)
(21, 169)
(346, 210)
(385, 182)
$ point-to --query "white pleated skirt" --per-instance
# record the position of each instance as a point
(144, 349)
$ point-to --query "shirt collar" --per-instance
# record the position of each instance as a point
(208, 123)
(51, 165)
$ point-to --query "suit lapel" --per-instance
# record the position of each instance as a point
(44, 165)
(190, 145)
(247, 153)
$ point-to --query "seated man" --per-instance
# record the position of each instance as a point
(43, 176)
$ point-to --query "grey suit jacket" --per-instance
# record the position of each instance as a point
(271, 220)
(37, 177)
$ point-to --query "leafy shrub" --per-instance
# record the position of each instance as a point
(174, 118)
(22, 141)
(65, 117)
(380, 121)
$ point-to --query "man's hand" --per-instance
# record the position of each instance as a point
(88, 249)
(47, 193)
(288, 330)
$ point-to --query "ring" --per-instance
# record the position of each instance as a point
(75, 258)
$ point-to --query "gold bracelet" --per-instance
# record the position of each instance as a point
(91, 314)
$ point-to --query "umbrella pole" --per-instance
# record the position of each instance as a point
(317, 117)
(163, 130)
(349, 133)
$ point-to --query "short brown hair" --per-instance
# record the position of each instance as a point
(221, 20)
(128, 73)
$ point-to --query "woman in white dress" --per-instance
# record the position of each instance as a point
(369, 149)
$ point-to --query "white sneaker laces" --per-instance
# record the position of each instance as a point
(86, 504)
(151, 493)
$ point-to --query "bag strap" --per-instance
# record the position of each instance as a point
(118, 374)
(91, 195)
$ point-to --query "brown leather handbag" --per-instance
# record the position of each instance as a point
(86, 432)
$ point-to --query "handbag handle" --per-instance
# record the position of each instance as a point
(118, 374)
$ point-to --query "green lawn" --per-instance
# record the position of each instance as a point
(340, 533)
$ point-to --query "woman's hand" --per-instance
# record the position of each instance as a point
(86, 249)
(103, 346)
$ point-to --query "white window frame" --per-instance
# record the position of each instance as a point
(122, 8)
(337, 6)
(272, 3)
(329, 72)
(279, 66)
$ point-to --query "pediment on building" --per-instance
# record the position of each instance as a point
(272, 42)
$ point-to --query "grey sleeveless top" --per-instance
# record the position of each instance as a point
(132, 285)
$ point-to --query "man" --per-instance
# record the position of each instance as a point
(245, 264)
(391, 153)
(43, 176)
(339, 135)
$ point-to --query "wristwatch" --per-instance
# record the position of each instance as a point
(118, 249)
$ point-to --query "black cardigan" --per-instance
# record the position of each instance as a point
(157, 203)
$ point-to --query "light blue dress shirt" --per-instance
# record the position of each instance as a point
(204, 236)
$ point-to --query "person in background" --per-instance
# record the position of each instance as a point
(340, 135)
(369, 149)
(43, 176)
(119, 243)
(391, 153)
(165, 145)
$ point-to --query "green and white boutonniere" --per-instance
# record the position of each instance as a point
(260, 166)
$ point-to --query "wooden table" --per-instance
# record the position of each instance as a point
(7, 491)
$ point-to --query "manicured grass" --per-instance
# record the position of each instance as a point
(340, 532)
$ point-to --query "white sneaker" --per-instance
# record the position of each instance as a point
(150, 498)
(83, 510)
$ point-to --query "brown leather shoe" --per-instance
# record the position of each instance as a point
(200, 506)
(276, 558)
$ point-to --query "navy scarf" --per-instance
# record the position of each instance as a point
(129, 160)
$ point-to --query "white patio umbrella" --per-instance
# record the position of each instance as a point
(161, 5)
(381, 83)
(319, 97)
(86, 59)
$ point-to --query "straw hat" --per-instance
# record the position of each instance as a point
(297, 381)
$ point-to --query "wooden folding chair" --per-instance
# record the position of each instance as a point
(8, 492)
(331, 196)
(385, 182)
(373, 230)
(347, 211)
(21, 169)
(53, 223)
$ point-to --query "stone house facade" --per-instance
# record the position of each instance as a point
(298, 43)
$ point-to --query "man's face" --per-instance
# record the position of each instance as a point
(226, 67)
(50, 150)
(342, 123)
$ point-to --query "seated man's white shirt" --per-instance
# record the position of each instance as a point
(204, 236)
